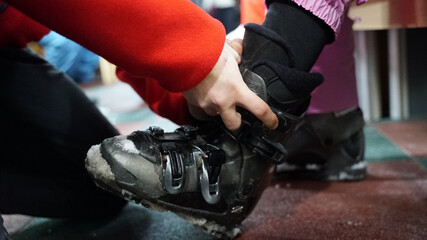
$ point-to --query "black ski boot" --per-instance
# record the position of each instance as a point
(212, 177)
(211, 186)
(327, 147)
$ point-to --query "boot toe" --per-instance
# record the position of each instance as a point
(118, 165)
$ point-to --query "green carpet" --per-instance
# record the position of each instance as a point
(379, 149)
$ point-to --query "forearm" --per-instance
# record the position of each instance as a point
(173, 42)
(172, 106)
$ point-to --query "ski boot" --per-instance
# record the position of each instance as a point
(214, 186)
(327, 147)
(212, 177)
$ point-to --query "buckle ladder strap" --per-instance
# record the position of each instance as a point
(210, 191)
(209, 164)
(174, 173)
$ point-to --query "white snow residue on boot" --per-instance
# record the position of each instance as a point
(218, 230)
(286, 167)
(97, 165)
(313, 166)
(128, 146)
(359, 165)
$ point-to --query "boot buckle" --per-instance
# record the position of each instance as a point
(174, 173)
(209, 164)
(210, 191)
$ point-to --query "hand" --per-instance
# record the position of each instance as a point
(224, 89)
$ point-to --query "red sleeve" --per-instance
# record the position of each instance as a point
(170, 105)
(16, 29)
(172, 41)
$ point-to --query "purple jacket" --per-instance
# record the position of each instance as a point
(330, 11)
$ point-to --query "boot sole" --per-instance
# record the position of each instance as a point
(355, 172)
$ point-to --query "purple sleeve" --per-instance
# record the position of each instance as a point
(330, 11)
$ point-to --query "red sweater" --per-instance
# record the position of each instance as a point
(160, 47)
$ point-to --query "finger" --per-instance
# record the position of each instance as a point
(211, 111)
(232, 119)
(254, 104)
(235, 54)
(237, 45)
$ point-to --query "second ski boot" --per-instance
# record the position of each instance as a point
(327, 147)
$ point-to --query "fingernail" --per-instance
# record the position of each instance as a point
(274, 126)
